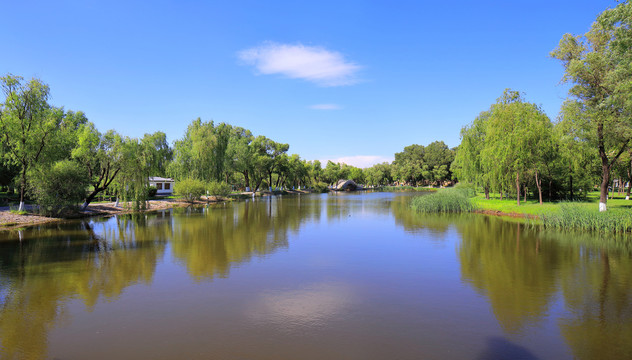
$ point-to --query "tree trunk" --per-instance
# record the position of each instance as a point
(90, 197)
(246, 178)
(22, 186)
(538, 183)
(486, 192)
(524, 188)
(518, 187)
(571, 181)
(603, 190)
(627, 194)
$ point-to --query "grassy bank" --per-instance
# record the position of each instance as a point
(578, 215)
(533, 207)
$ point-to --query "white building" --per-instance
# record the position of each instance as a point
(164, 185)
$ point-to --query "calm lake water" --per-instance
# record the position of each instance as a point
(347, 276)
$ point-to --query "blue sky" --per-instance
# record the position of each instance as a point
(344, 80)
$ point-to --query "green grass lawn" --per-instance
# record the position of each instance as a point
(532, 207)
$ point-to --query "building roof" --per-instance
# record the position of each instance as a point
(160, 179)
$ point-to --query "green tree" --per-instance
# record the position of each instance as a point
(516, 137)
(159, 153)
(599, 65)
(316, 171)
(27, 123)
(190, 189)
(201, 153)
(58, 188)
(437, 158)
(331, 172)
(102, 156)
(467, 163)
(240, 154)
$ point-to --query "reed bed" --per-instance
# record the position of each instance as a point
(453, 200)
(572, 216)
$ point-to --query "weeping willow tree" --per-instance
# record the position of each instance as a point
(133, 180)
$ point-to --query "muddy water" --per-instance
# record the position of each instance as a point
(349, 276)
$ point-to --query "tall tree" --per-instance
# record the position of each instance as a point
(102, 156)
(467, 162)
(599, 64)
(159, 153)
(27, 123)
(516, 137)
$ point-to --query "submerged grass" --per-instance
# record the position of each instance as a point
(452, 200)
(574, 216)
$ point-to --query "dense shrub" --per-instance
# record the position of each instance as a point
(189, 189)
(152, 191)
(321, 187)
(58, 189)
(217, 188)
(451, 200)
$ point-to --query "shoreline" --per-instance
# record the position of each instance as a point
(505, 214)
(11, 221)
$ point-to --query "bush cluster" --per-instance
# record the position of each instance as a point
(190, 189)
(320, 187)
(217, 188)
(59, 188)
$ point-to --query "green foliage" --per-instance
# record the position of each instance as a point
(599, 65)
(190, 189)
(379, 174)
(218, 188)
(453, 200)
(27, 123)
(59, 188)
(159, 154)
(423, 165)
(572, 216)
(321, 187)
(152, 191)
(467, 189)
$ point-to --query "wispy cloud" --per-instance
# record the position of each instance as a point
(361, 161)
(312, 63)
(325, 107)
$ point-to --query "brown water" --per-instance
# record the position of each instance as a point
(349, 276)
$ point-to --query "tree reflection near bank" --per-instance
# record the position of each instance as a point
(53, 265)
(522, 270)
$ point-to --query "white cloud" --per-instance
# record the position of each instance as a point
(312, 305)
(361, 161)
(311, 63)
(325, 107)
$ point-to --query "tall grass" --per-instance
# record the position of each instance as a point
(453, 200)
(572, 216)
